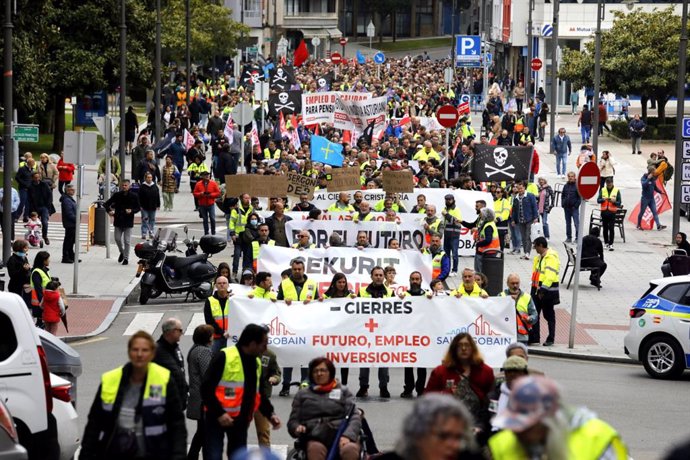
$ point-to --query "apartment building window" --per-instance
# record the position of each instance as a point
(297, 7)
(252, 8)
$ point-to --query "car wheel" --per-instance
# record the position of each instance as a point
(663, 358)
(145, 294)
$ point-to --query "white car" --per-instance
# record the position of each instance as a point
(68, 434)
(659, 334)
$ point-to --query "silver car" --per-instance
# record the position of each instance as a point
(10, 449)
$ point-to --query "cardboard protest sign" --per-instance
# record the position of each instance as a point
(344, 180)
(298, 184)
(398, 181)
(260, 186)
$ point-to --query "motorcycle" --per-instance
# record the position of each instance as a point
(170, 274)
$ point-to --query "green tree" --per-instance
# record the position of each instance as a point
(639, 55)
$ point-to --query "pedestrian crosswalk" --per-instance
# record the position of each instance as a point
(55, 231)
(150, 322)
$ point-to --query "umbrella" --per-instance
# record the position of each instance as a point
(333, 451)
(64, 319)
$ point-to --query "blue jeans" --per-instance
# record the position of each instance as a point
(586, 132)
(651, 204)
(208, 213)
(545, 223)
(572, 214)
(237, 438)
(561, 163)
(515, 240)
(451, 241)
(148, 222)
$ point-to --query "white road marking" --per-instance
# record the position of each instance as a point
(145, 322)
(197, 319)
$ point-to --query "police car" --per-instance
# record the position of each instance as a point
(659, 334)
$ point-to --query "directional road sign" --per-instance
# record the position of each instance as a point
(685, 174)
(489, 58)
(588, 179)
(686, 127)
(686, 150)
(465, 98)
(547, 30)
(25, 133)
(447, 116)
(685, 194)
(379, 58)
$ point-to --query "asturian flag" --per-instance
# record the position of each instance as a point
(326, 152)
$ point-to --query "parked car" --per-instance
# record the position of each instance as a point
(10, 449)
(63, 360)
(69, 436)
(26, 387)
(659, 334)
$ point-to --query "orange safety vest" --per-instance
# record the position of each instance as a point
(436, 262)
(230, 388)
(220, 315)
(609, 205)
(495, 244)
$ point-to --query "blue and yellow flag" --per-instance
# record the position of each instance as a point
(326, 152)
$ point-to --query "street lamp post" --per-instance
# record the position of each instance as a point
(680, 110)
(123, 84)
(528, 64)
(274, 31)
(597, 78)
(554, 71)
(7, 221)
(371, 31)
(188, 39)
(157, 70)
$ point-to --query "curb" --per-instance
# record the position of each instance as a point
(110, 317)
(581, 356)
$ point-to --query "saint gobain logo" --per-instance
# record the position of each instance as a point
(478, 327)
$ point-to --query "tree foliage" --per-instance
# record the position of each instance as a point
(639, 55)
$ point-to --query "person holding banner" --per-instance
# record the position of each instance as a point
(237, 224)
(364, 214)
(342, 205)
(303, 241)
(526, 313)
(432, 223)
(303, 205)
(440, 263)
(376, 290)
(415, 290)
(469, 286)
(453, 227)
(263, 288)
(263, 238)
(216, 310)
(296, 288)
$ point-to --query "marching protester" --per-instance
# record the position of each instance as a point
(123, 205)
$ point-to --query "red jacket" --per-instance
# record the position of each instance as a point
(444, 379)
(65, 171)
(200, 193)
(51, 306)
(535, 162)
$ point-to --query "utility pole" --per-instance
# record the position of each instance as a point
(157, 70)
(483, 51)
(528, 64)
(7, 221)
(554, 71)
(597, 77)
(123, 86)
(680, 111)
(188, 59)
(452, 43)
(274, 31)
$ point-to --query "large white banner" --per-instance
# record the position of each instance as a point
(412, 332)
(361, 113)
(321, 264)
(329, 107)
(410, 236)
(402, 218)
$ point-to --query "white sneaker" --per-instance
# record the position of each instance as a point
(453, 274)
(610, 247)
(606, 246)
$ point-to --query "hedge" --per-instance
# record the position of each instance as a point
(655, 130)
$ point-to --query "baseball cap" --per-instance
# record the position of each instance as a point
(450, 196)
(531, 399)
(515, 363)
(247, 272)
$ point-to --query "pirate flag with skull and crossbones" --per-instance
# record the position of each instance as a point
(495, 163)
(324, 82)
(288, 102)
(282, 78)
(251, 76)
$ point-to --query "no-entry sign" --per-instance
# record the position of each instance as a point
(536, 64)
(336, 58)
(343, 41)
(588, 179)
(447, 116)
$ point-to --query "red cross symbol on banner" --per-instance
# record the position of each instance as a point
(371, 325)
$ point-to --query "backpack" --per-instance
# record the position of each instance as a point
(668, 172)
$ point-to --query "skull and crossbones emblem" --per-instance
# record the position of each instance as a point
(253, 77)
(284, 102)
(322, 82)
(280, 76)
(500, 157)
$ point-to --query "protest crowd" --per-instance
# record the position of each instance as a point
(342, 163)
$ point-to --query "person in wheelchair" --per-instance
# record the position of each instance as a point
(318, 411)
(677, 263)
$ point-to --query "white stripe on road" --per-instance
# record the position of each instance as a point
(197, 320)
(143, 322)
(589, 180)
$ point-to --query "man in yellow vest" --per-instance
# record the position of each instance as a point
(230, 392)
(342, 205)
(364, 214)
(216, 312)
(525, 311)
(237, 224)
(487, 244)
(256, 244)
(263, 288)
(303, 241)
(545, 289)
(432, 223)
(610, 200)
(440, 263)
(451, 235)
(271, 152)
(536, 424)
(469, 286)
(296, 287)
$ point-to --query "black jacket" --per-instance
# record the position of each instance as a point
(149, 196)
(101, 425)
(214, 124)
(145, 166)
(569, 196)
(23, 177)
(18, 275)
(208, 316)
(119, 202)
(170, 357)
(69, 211)
(41, 196)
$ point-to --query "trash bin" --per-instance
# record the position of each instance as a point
(63, 360)
(493, 269)
(100, 224)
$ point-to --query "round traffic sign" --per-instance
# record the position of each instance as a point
(316, 41)
(336, 58)
(447, 116)
(379, 58)
(536, 64)
(343, 41)
(588, 179)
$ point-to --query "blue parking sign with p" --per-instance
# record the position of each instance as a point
(468, 46)
(686, 128)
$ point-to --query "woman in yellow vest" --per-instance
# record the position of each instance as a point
(536, 420)
(40, 277)
(502, 205)
(137, 412)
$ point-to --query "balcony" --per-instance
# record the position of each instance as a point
(310, 14)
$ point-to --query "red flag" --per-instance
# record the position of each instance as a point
(406, 120)
(188, 140)
(347, 136)
(301, 54)
(281, 123)
(662, 205)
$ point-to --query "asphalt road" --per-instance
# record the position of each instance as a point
(650, 414)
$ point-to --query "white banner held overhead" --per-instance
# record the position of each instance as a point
(360, 114)
(321, 264)
(410, 236)
(412, 332)
(318, 107)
